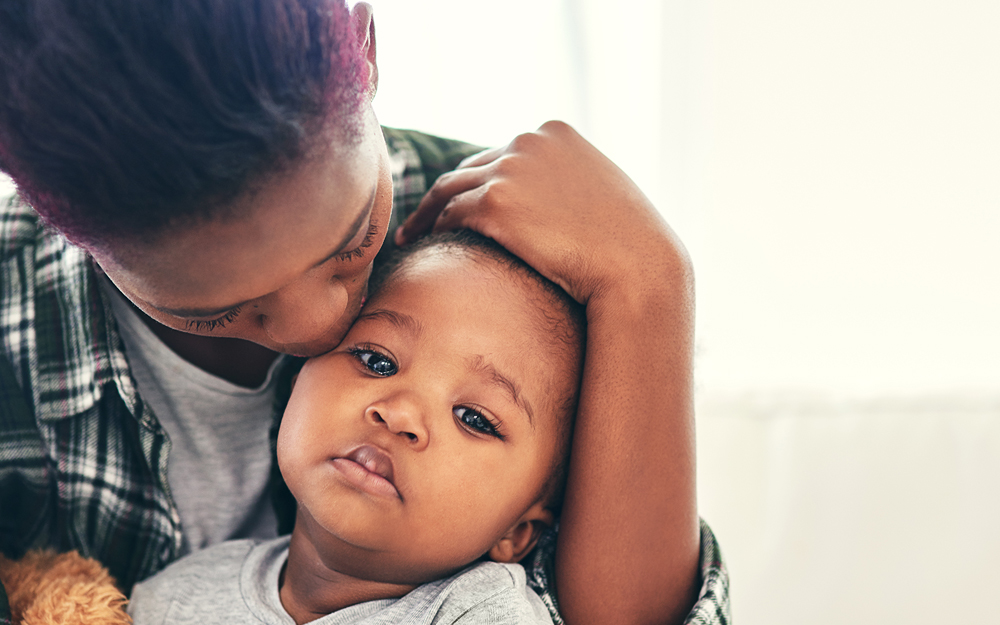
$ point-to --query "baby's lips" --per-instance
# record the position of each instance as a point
(374, 460)
(369, 470)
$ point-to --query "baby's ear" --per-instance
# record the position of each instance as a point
(521, 538)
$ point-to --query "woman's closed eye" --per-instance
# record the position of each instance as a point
(213, 324)
(378, 363)
(359, 251)
(476, 421)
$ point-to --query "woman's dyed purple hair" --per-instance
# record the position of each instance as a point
(121, 117)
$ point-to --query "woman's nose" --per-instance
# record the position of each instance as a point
(304, 311)
(403, 416)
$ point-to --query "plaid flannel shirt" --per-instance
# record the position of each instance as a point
(83, 461)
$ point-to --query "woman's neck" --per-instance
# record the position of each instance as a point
(310, 589)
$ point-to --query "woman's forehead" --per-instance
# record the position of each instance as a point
(284, 228)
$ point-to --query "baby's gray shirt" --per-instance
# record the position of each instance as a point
(237, 582)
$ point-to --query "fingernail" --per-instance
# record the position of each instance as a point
(399, 238)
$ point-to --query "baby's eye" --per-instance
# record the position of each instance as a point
(377, 363)
(476, 421)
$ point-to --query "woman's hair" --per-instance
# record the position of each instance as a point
(121, 117)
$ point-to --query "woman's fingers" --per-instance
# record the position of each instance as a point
(481, 158)
(469, 209)
(555, 201)
(447, 186)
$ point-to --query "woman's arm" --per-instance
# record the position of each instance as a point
(628, 541)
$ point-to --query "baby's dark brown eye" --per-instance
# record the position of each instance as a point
(475, 420)
(377, 363)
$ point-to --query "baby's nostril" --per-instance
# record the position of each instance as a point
(411, 436)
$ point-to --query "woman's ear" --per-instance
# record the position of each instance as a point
(364, 28)
(521, 538)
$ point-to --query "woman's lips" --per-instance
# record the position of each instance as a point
(368, 469)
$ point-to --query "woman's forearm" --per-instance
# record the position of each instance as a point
(628, 539)
(629, 543)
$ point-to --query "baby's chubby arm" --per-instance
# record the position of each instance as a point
(628, 541)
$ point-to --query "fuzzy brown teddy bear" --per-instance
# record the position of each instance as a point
(46, 588)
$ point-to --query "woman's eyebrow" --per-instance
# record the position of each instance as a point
(365, 215)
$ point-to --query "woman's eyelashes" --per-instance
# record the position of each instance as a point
(359, 251)
(209, 325)
(376, 362)
(475, 420)
(214, 324)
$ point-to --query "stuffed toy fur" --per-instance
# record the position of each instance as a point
(46, 588)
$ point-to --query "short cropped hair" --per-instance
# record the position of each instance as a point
(566, 328)
(122, 117)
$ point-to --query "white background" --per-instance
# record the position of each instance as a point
(832, 166)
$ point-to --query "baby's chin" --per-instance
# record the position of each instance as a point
(389, 571)
(377, 562)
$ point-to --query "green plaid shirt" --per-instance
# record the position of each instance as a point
(83, 461)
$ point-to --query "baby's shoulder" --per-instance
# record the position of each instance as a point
(493, 593)
(206, 586)
(222, 557)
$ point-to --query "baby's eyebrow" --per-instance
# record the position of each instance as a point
(400, 320)
(480, 365)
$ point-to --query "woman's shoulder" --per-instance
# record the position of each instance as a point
(37, 248)
(48, 291)
(419, 158)
(20, 225)
(434, 152)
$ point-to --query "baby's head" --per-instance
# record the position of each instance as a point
(438, 431)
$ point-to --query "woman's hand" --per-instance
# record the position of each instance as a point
(628, 541)
(554, 200)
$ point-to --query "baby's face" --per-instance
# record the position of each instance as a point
(432, 429)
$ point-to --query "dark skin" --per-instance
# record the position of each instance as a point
(553, 199)
(470, 459)
(628, 542)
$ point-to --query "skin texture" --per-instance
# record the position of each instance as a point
(448, 323)
(270, 263)
(628, 541)
(268, 258)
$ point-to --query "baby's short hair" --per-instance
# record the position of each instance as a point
(559, 316)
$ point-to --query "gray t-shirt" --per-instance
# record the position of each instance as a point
(219, 463)
(237, 582)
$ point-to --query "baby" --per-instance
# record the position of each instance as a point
(427, 453)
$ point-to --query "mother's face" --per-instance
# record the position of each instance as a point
(288, 271)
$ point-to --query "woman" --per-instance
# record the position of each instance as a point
(218, 187)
